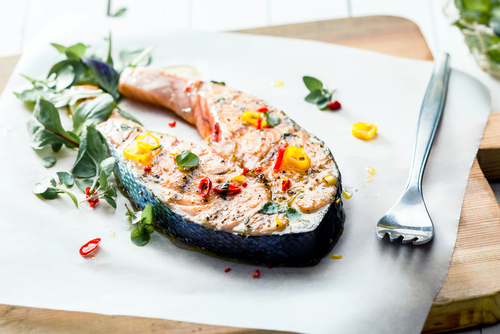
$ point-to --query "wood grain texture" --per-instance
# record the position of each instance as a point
(470, 295)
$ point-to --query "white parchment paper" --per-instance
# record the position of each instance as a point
(378, 287)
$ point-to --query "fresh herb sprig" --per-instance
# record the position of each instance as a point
(48, 190)
(187, 159)
(270, 208)
(317, 93)
(141, 235)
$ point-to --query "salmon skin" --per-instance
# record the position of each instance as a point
(287, 207)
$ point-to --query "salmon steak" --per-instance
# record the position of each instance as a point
(262, 191)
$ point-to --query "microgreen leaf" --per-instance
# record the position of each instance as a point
(93, 112)
(66, 178)
(225, 186)
(66, 73)
(134, 217)
(272, 120)
(49, 161)
(313, 96)
(322, 102)
(105, 76)
(269, 208)
(140, 237)
(147, 215)
(312, 83)
(84, 184)
(292, 214)
(45, 128)
(187, 159)
(92, 151)
(103, 179)
(107, 166)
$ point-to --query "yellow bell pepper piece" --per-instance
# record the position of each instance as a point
(296, 159)
(365, 131)
(238, 179)
(138, 153)
(147, 141)
(252, 118)
(329, 180)
(280, 226)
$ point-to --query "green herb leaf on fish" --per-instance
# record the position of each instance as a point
(45, 128)
(269, 208)
(48, 190)
(93, 112)
(49, 161)
(292, 214)
(317, 94)
(218, 82)
(272, 120)
(66, 178)
(140, 235)
(187, 159)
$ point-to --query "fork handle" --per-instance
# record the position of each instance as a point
(430, 115)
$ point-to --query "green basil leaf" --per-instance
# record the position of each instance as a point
(64, 74)
(107, 166)
(110, 200)
(272, 120)
(147, 215)
(292, 214)
(93, 112)
(56, 147)
(126, 115)
(45, 128)
(84, 184)
(119, 12)
(105, 76)
(68, 97)
(92, 151)
(312, 83)
(73, 51)
(139, 237)
(313, 96)
(66, 178)
(187, 159)
(269, 208)
(49, 161)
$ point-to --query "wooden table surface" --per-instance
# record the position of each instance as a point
(471, 293)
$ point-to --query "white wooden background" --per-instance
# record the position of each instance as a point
(20, 20)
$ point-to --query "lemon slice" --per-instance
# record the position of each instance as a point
(183, 71)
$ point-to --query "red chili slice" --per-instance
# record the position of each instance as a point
(263, 110)
(172, 125)
(188, 87)
(245, 170)
(244, 184)
(205, 186)
(256, 274)
(285, 185)
(334, 105)
(259, 124)
(258, 169)
(147, 168)
(227, 270)
(233, 189)
(92, 202)
(279, 159)
(89, 247)
(216, 133)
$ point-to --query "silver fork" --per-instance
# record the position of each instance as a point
(408, 218)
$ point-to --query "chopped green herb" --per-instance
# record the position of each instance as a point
(187, 159)
(269, 208)
(218, 82)
(140, 235)
(272, 120)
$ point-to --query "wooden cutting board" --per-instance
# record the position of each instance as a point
(471, 293)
